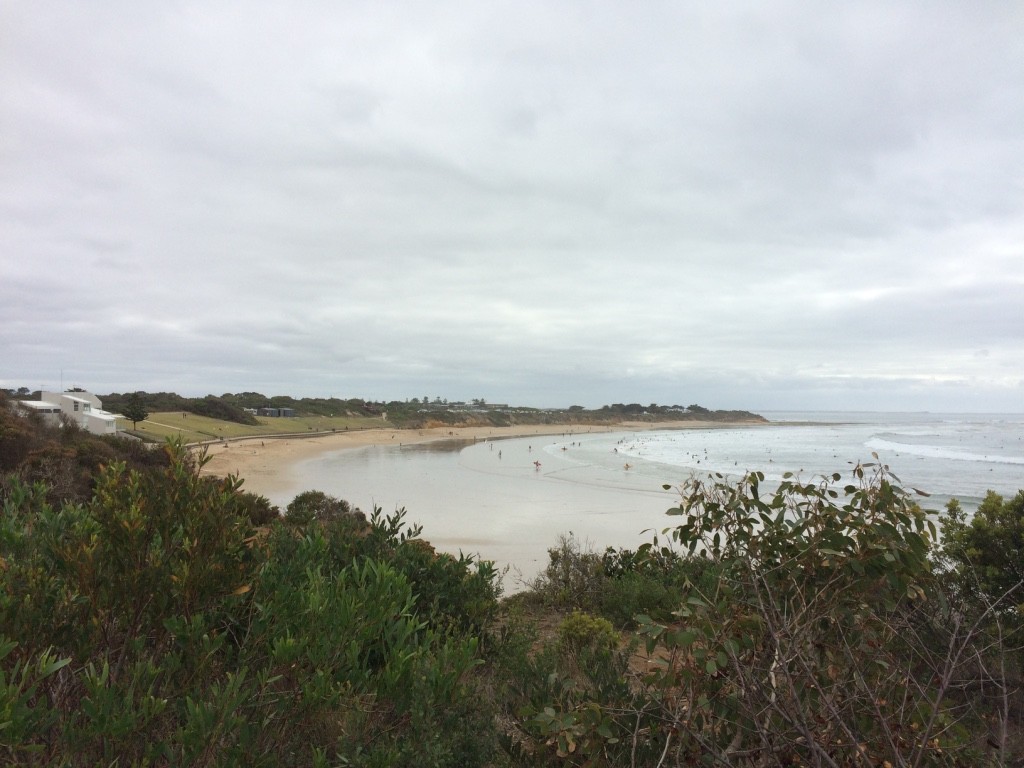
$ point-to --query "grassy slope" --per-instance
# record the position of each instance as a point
(196, 428)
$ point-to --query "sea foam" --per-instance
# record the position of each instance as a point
(940, 452)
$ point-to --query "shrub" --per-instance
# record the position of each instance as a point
(450, 592)
(822, 636)
(256, 508)
(150, 626)
(16, 437)
(317, 505)
(810, 629)
(581, 630)
(986, 554)
(565, 695)
(573, 578)
(625, 598)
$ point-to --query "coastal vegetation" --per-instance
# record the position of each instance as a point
(154, 615)
(156, 416)
(415, 413)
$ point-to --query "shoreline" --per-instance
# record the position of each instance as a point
(266, 464)
(468, 497)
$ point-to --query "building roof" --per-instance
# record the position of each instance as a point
(38, 405)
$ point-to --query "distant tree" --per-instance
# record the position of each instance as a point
(135, 410)
(217, 408)
(155, 402)
(247, 399)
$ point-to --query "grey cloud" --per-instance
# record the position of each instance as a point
(760, 204)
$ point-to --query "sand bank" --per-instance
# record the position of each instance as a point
(265, 463)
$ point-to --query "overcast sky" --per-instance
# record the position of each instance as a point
(770, 205)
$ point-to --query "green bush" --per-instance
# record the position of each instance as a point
(450, 592)
(565, 696)
(581, 630)
(986, 553)
(635, 594)
(151, 625)
(256, 508)
(317, 505)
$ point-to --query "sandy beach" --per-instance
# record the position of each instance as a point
(266, 463)
(509, 493)
(493, 491)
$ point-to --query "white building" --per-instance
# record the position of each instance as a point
(49, 411)
(82, 408)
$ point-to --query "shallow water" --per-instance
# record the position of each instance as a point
(489, 497)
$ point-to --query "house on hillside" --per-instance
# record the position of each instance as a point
(49, 412)
(82, 408)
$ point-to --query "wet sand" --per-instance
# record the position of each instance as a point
(267, 464)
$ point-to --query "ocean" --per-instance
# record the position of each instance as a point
(944, 455)
(510, 500)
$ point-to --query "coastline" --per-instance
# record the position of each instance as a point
(510, 510)
(266, 464)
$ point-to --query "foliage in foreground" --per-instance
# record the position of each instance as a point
(154, 625)
(818, 631)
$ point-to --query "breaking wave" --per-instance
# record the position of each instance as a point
(940, 452)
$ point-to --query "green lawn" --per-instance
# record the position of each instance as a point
(193, 428)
